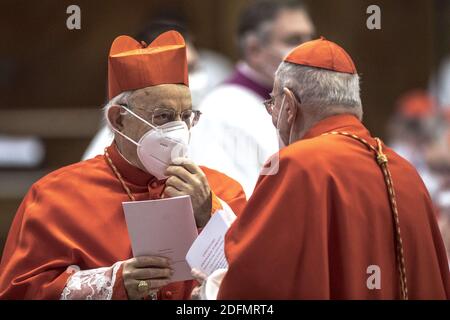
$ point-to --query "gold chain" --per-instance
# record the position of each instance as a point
(119, 176)
(152, 295)
(382, 161)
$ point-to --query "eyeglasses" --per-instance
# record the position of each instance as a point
(270, 103)
(161, 116)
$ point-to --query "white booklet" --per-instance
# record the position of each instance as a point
(163, 227)
(207, 252)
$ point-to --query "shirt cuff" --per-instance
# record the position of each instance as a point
(119, 291)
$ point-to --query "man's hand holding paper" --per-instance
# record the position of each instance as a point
(162, 228)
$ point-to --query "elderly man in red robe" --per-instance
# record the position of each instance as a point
(69, 238)
(344, 217)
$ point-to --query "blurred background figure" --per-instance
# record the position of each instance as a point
(20, 152)
(439, 161)
(206, 70)
(440, 84)
(236, 135)
(420, 132)
(412, 130)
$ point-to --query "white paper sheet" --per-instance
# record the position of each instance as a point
(164, 227)
(207, 252)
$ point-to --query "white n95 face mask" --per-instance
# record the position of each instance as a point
(160, 145)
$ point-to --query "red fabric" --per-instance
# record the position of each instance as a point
(312, 230)
(324, 54)
(133, 66)
(74, 216)
(228, 189)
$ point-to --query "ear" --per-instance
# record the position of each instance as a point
(115, 117)
(290, 105)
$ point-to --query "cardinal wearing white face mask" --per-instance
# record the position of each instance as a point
(69, 239)
(160, 145)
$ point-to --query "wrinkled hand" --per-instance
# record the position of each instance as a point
(186, 178)
(154, 270)
(196, 293)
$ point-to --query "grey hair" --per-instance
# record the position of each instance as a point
(120, 99)
(322, 92)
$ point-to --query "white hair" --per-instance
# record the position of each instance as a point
(321, 92)
(120, 99)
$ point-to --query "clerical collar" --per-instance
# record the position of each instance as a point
(342, 122)
(128, 171)
(246, 77)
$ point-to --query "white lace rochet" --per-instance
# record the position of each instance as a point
(92, 284)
